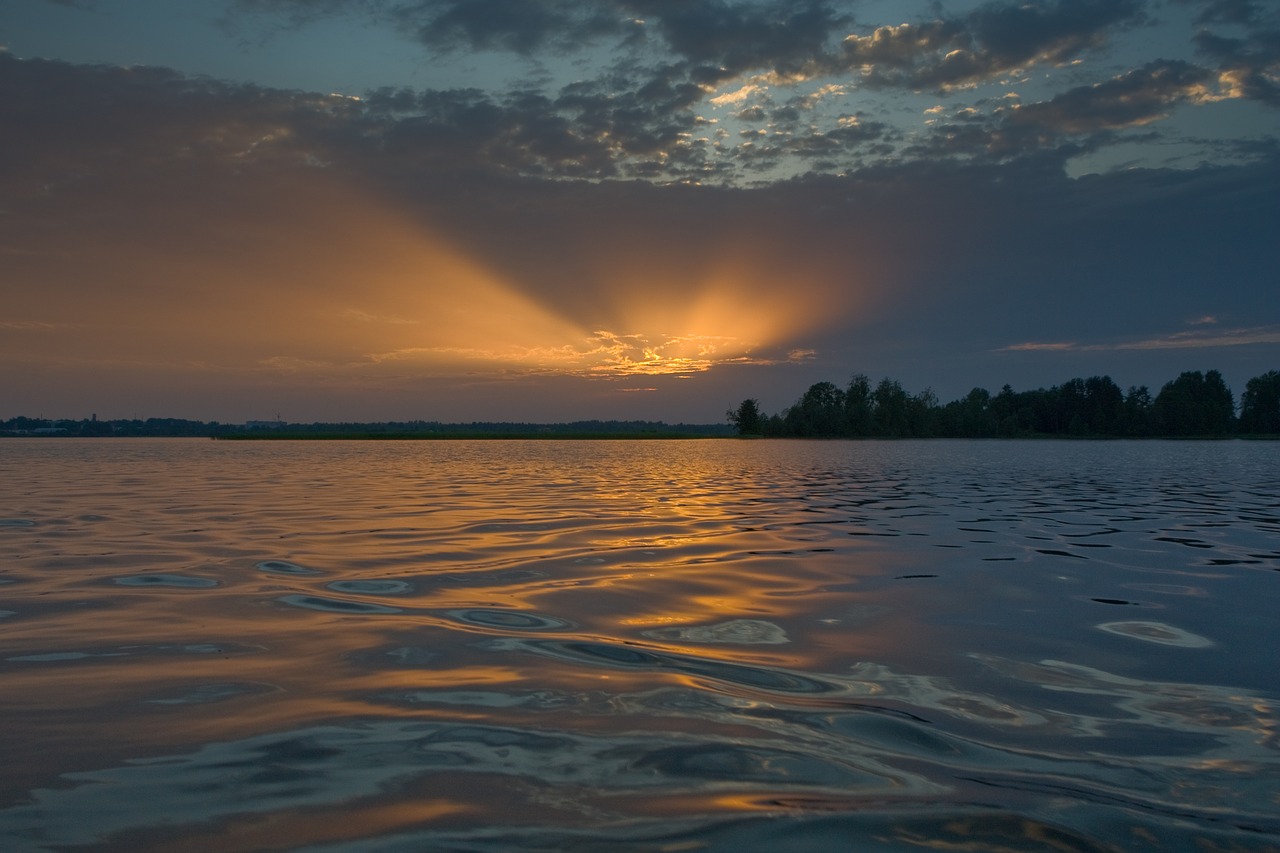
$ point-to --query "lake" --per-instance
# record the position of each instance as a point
(639, 645)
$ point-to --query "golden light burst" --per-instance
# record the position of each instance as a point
(331, 284)
(435, 307)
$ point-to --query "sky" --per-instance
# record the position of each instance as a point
(555, 210)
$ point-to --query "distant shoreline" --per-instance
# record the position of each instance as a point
(467, 436)
(275, 435)
(692, 437)
(23, 427)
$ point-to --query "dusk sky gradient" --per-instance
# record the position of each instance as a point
(551, 210)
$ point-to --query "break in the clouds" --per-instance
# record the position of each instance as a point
(386, 202)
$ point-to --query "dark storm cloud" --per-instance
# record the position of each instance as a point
(826, 150)
(785, 37)
(520, 26)
(991, 41)
(1077, 120)
(638, 112)
(1252, 64)
(584, 131)
(715, 35)
(666, 55)
(642, 116)
(636, 117)
(524, 133)
(1248, 54)
(84, 121)
(79, 120)
(1136, 98)
(302, 12)
(80, 123)
(712, 38)
(1227, 11)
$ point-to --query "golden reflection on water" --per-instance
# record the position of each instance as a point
(303, 827)
(282, 644)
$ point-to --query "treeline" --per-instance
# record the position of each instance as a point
(168, 427)
(178, 427)
(477, 429)
(1194, 404)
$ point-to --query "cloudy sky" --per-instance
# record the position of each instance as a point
(543, 210)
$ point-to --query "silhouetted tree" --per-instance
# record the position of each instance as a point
(891, 415)
(93, 427)
(747, 418)
(820, 412)
(1069, 408)
(1260, 404)
(1195, 404)
(922, 409)
(859, 407)
(971, 417)
(1103, 406)
(1137, 417)
(24, 424)
(1220, 404)
(1006, 410)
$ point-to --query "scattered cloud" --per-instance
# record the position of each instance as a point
(1133, 99)
(365, 317)
(1034, 346)
(990, 42)
(1202, 340)
(1174, 341)
(520, 26)
(651, 70)
(31, 325)
(292, 364)
(735, 97)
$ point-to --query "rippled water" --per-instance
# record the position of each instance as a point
(711, 645)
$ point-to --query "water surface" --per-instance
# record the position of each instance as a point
(707, 645)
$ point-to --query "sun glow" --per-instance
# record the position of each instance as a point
(434, 308)
(332, 287)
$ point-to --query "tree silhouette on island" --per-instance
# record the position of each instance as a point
(1193, 405)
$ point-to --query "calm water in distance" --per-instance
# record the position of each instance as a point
(661, 645)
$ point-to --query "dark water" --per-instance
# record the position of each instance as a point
(715, 645)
